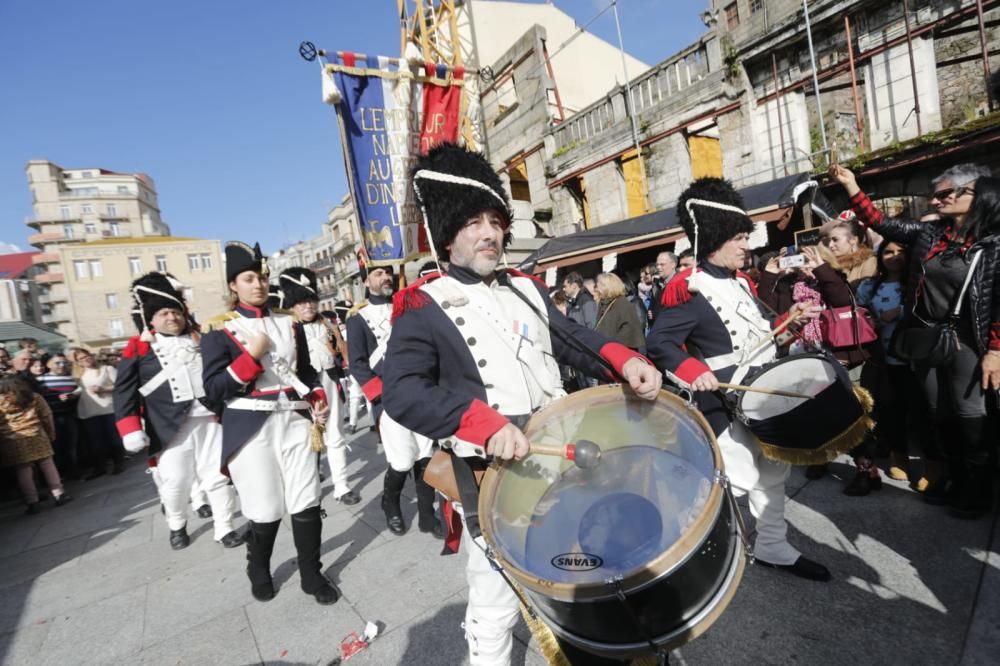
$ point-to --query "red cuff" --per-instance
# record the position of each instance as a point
(317, 395)
(245, 368)
(690, 370)
(618, 355)
(479, 423)
(373, 389)
(128, 425)
(994, 342)
(779, 320)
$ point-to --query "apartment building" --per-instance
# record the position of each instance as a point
(98, 276)
(77, 206)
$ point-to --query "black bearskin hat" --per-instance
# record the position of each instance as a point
(153, 292)
(297, 285)
(715, 226)
(453, 184)
(241, 257)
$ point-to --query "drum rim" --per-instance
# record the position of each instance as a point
(757, 372)
(663, 564)
(689, 631)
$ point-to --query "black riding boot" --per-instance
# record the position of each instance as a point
(260, 545)
(307, 529)
(392, 487)
(974, 491)
(427, 520)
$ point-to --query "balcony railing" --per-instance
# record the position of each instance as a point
(46, 237)
(38, 221)
(45, 258)
(670, 78)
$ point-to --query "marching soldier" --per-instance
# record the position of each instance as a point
(297, 287)
(475, 352)
(159, 378)
(257, 364)
(368, 330)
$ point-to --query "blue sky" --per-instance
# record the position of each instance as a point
(212, 100)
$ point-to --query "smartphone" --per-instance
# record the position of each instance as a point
(792, 261)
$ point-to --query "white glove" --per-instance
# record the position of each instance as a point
(135, 441)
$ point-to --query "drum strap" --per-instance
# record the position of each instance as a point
(468, 489)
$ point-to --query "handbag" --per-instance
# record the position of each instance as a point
(847, 326)
(933, 344)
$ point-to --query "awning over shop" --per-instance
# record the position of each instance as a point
(12, 331)
(765, 202)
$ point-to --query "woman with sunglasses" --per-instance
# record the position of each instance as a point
(959, 251)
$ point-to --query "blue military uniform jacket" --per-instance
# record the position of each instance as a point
(231, 372)
(165, 408)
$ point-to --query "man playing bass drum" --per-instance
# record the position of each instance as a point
(473, 355)
(712, 310)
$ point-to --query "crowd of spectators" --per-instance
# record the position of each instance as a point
(56, 421)
(936, 421)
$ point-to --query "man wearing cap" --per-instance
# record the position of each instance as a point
(159, 378)
(709, 330)
(257, 365)
(474, 352)
(297, 289)
(368, 330)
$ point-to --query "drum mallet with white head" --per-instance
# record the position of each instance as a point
(585, 453)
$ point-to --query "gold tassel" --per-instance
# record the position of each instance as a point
(842, 443)
(546, 640)
(316, 435)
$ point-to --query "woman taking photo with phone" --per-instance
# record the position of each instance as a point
(953, 297)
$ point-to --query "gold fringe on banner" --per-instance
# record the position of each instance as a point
(545, 639)
(842, 443)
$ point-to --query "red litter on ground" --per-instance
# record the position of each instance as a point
(353, 643)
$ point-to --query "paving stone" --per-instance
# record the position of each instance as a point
(226, 639)
(395, 582)
(218, 586)
(40, 561)
(293, 628)
(21, 647)
(110, 540)
(100, 633)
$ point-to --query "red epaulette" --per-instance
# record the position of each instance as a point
(411, 297)
(135, 347)
(514, 271)
(676, 291)
(749, 280)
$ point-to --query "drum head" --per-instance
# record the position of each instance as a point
(559, 526)
(806, 374)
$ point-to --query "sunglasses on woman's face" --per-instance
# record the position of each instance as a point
(946, 193)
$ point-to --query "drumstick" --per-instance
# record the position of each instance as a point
(761, 389)
(584, 453)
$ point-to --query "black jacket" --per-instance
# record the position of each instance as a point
(982, 301)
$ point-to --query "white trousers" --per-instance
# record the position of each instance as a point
(763, 481)
(333, 437)
(276, 471)
(492, 610)
(191, 456)
(355, 396)
(402, 447)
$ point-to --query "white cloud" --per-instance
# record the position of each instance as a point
(9, 248)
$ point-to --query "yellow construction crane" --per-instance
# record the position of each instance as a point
(431, 34)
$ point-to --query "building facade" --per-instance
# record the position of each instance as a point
(76, 206)
(98, 276)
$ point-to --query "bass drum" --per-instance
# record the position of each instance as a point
(641, 548)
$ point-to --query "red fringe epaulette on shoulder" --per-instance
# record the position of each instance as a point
(412, 298)
(517, 273)
(676, 291)
(135, 347)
